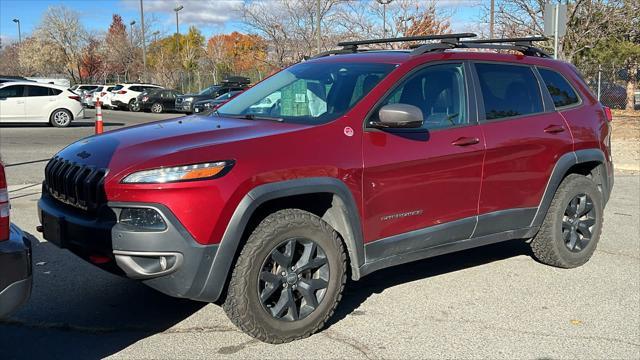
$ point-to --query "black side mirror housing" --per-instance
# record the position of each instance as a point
(398, 116)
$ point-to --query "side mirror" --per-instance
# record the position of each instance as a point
(399, 116)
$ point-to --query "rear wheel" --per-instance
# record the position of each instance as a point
(572, 226)
(157, 108)
(60, 118)
(288, 278)
(134, 105)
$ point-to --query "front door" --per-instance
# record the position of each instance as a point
(12, 103)
(415, 180)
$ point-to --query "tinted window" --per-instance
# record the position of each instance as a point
(436, 90)
(37, 91)
(561, 92)
(12, 91)
(508, 90)
(136, 88)
(54, 92)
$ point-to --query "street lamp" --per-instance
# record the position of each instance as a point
(144, 43)
(133, 22)
(176, 10)
(384, 4)
(17, 21)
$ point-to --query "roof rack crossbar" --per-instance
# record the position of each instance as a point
(457, 37)
(528, 41)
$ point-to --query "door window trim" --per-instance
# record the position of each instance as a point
(480, 98)
(469, 90)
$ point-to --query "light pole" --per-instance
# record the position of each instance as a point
(384, 4)
(318, 24)
(133, 22)
(144, 43)
(491, 19)
(177, 9)
(17, 21)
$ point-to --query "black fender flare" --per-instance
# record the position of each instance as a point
(344, 217)
(564, 163)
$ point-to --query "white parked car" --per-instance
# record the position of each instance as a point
(125, 97)
(102, 92)
(35, 102)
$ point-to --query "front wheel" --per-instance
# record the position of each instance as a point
(134, 106)
(288, 278)
(571, 229)
(60, 118)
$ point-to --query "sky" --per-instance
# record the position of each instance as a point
(209, 16)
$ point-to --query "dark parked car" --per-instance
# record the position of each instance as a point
(156, 101)
(186, 102)
(207, 105)
(363, 160)
(15, 258)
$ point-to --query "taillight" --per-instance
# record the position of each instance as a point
(4, 206)
(74, 97)
(122, 92)
(145, 98)
(607, 113)
(88, 96)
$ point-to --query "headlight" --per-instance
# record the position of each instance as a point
(202, 171)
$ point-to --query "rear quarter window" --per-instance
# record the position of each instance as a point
(559, 88)
(508, 90)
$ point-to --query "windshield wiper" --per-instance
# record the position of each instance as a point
(259, 117)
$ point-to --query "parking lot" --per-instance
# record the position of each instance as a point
(490, 302)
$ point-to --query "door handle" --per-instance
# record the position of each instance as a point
(465, 141)
(554, 129)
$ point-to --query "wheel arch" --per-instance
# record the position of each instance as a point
(584, 162)
(338, 208)
(61, 108)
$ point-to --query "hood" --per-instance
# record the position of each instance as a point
(162, 143)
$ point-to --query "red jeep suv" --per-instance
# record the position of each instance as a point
(341, 165)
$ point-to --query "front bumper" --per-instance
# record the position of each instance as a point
(15, 271)
(170, 261)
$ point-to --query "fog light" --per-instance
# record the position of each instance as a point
(142, 218)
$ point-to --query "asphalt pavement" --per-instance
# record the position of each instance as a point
(491, 302)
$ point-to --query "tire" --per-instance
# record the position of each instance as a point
(60, 118)
(134, 106)
(552, 244)
(157, 108)
(276, 232)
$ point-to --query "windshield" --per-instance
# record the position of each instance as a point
(210, 90)
(308, 93)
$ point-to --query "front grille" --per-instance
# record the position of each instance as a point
(178, 101)
(81, 186)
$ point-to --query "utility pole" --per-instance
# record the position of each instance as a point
(318, 24)
(17, 21)
(144, 44)
(384, 4)
(556, 14)
(491, 19)
(177, 25)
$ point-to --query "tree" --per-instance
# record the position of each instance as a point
(92, 67)
(237, 54)
(61, 29)
(121, 53)
(38, 57)
(10, 60)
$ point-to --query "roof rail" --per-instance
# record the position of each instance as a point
(349, 47)
(522, 44)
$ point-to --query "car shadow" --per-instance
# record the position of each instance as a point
(93, 124)
(357, 292)
(79, 311)
(72, 125)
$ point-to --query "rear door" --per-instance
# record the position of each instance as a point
(419, 179)
(524, 136)
(39, 101)
(12, 104)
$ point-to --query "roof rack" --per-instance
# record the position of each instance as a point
(447, 41)
(349, 47)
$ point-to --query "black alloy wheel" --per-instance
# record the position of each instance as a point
(293, 279)
(577, 223)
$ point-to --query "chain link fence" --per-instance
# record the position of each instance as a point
(611, 83)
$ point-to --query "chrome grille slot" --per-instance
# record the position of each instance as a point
(81, 186)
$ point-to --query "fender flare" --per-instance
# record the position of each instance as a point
(564, 163)
(344, 219)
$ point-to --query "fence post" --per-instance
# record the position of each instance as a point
(599, 79)
(99, 124)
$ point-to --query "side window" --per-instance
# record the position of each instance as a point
(508, 90)
(561, 92)
(438, 91)
(54, 92)
(37, 91)
(12, 91)
(135, 88)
